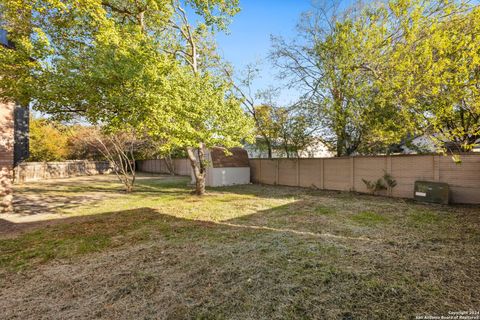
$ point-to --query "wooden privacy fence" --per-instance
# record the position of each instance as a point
(346, 173)
(180, 166)
(34, 171)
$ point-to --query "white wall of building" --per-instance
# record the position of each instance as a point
(220, 177)
(318, 150)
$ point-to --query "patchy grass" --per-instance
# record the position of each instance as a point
(324, 210)
(423, 218)
(369, 218)
(245, 252)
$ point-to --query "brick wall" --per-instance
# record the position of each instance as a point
(6, 155)
(35, 171)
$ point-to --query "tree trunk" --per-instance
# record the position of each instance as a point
(200, 185)
(269, 149)
(285, 147)
(198, 167)
(128, 187)
(340, 145)
(269, 146)
(169, 164)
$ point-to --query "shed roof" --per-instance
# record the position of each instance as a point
(237, 157)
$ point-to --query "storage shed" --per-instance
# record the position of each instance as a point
(226, 168)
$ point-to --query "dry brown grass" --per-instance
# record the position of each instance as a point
(246, 252)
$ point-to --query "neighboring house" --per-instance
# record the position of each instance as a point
(425, 144)
(13, 147)
(420, 144)
(316, 150)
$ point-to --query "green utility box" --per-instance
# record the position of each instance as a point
(434, 192)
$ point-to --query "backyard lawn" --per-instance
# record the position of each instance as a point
(81, 248)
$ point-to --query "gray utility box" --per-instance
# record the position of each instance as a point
(435, 192)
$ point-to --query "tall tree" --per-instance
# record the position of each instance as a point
(259, 105)
(329, 64)
(210, 114)
(267, 128)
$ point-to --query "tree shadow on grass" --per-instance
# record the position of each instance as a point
(160, 266)
(53, 197)
(42, 203)
(153, 184)
(157, 266)
(104, 230)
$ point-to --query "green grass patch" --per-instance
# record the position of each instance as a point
(43, 246)
(75, 238)
(429, 219)
(323, 210)
(369, 218)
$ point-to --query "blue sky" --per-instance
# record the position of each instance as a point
(248, 40)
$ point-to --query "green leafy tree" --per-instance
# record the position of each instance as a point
(48, 141)
(332, 65)
(299, 134)
(135, 63)
(209, 114)
(435, 80)
(267, 128)
(376, 75)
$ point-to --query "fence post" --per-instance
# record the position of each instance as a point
(352, 173)
(276, 171)
(389, 165)
(298, 172)
(322, 174)
(436, 168)
(259, 180)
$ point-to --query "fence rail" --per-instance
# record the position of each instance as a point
(34, 171)
(346, 173)
(180, 166)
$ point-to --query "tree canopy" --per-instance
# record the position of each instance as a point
(379, 74)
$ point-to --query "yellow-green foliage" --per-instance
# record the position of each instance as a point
(390, 70)
(431, 71)
(48, 142)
